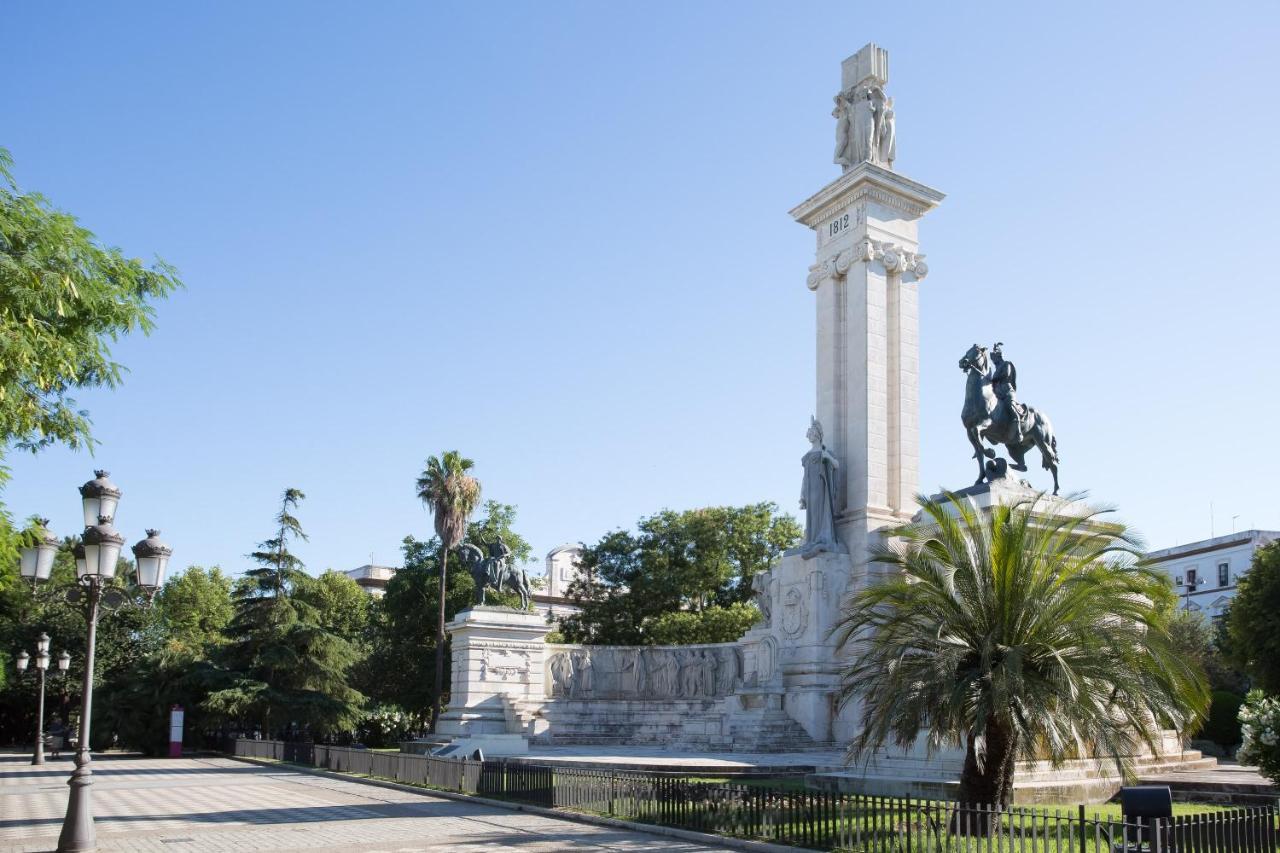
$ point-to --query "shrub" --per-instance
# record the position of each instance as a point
(1260, 730)
(1223, 724)
(383, 726)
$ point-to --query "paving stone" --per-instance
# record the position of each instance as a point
(209, 805)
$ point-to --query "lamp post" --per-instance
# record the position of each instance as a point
(96, 556)
(42, 664)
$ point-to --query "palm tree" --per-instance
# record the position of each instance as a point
(1015, 632)
(450, 495)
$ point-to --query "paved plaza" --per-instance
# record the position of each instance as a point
(216, 804)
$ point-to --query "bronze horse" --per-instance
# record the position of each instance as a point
(494, 572)
(983, 419)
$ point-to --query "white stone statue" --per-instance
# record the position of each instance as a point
(886, 136)
(865, 111)
(865, 127)
(818, 494)
(844, 131)
(762, 592)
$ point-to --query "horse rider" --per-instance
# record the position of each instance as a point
(1004, 382)
(499, 553)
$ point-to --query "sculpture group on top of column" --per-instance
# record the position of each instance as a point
(866, 127)
(992, 412)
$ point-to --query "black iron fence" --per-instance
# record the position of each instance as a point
(821, 820)
(455, 774)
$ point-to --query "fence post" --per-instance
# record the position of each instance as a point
(1083, 840)
(613, 785)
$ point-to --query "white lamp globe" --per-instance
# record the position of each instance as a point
(99, 497)
(102, 546)
(152, 558)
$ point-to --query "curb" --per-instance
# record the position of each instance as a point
(578, 817)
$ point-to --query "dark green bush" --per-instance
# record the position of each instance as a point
(1223, 724)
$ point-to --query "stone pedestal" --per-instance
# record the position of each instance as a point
(497, 679)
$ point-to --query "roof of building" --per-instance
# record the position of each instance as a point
(1218, 543)
(370, 572)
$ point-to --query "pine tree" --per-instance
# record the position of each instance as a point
(281, 666)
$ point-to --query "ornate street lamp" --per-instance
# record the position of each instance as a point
(96, 556)
(42, 664)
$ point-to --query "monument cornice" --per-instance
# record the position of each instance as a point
(867, 180)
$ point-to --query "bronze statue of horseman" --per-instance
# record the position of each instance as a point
(495, 571)
(992, 412)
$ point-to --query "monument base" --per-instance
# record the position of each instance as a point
(497, 679)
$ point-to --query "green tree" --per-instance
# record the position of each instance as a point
(194, 609)
(1253, 623)
(341, 606)
(715, 624)
(698, 563)
(1014, 632)
(1198, 641)
(279, 662)
(496, 523)
(450, 495)
(279, 570)
(64, 298)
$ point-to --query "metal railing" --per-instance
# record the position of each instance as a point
(822, 820)
(455, 774)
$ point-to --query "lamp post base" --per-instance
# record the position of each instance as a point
(78, 833)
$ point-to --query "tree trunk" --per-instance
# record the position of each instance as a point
(991, 785)
(444, 574)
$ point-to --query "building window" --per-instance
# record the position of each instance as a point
(1177, 581)
(1191, 578)
(1224, 574)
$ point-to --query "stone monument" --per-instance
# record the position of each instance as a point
(865, 280)
(496, 683)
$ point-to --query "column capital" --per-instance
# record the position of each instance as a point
(891, 257)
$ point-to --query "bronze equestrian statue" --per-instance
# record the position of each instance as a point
(495, 571)
(992, 412)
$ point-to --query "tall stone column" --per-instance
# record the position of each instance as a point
(866, 280)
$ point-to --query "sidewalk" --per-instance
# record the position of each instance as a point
(209, 805)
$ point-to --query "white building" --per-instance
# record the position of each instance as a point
(1205, 573)
(372, 579)
(563, 568)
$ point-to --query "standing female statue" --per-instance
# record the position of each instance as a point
(887, 141)
(841, 114)
(818, 494)
(865, 111)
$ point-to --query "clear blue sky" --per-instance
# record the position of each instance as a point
(554, 237)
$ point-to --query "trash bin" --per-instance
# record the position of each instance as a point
(1144, 806)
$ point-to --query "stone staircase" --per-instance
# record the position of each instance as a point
(770, 730)
(524, 717)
